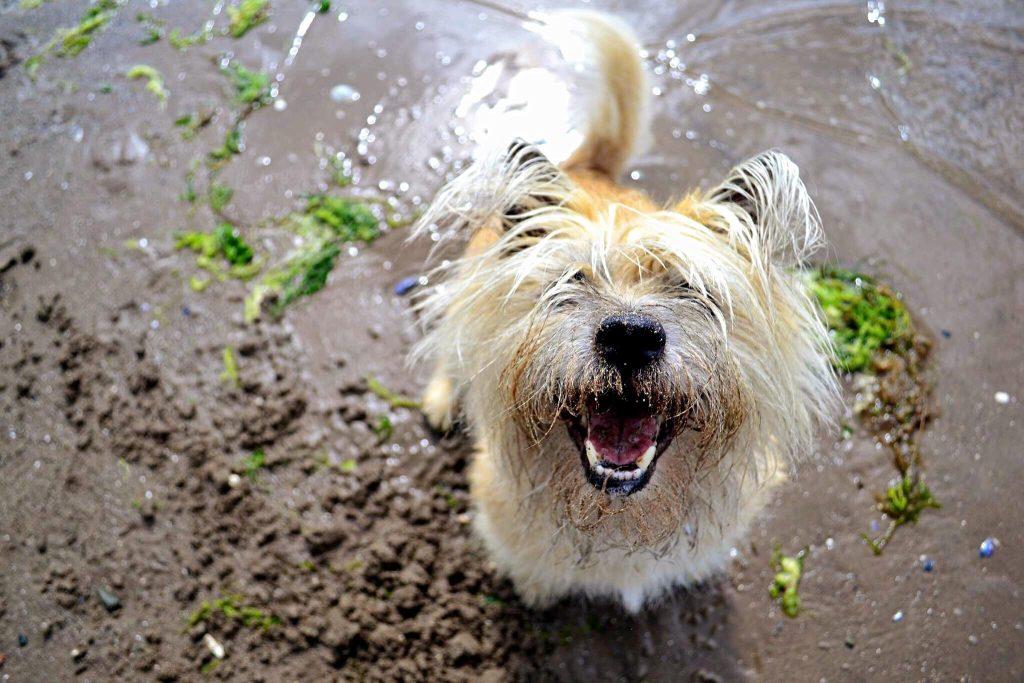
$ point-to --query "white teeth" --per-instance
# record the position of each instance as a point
(647, 458)
(620, 475)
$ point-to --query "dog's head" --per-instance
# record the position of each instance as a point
(630, 357)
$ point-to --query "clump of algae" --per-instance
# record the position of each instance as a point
(325, 223)
(70, 41)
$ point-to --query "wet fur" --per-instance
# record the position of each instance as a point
(510, 328)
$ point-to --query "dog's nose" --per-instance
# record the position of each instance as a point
(630, 341)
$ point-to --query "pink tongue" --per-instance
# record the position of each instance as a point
(621, 439)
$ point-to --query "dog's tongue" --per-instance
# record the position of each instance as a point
(619, 438)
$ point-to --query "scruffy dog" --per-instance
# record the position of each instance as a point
(636, 378)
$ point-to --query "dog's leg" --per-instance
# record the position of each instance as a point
(439, 399)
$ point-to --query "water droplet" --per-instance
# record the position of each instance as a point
(344, 93)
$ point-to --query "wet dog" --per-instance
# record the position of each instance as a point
(636, 377)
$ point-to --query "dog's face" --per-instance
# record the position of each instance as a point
(631, 359)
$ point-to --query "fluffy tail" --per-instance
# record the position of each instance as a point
(605, 55)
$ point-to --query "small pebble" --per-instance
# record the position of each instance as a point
(1002, 397)
(234, 481)
(215, 648)
(946, 334)
(22, 640)
(987, 547)
(109, 600)
(897, 617)
(406, 285)
(186, 311)
(77, 653)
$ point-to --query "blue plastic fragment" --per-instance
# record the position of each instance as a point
(406, 285)
(987, 547)
(22, 640)
(186, 311)
(929, 564)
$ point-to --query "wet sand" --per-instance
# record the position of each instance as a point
(120, 438)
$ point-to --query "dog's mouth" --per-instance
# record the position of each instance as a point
(620, 441)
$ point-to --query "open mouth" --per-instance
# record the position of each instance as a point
(619, 441)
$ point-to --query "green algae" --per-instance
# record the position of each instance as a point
(393, 399)
(251, 87)
(246, 15)
(233, 607)
(902, 503)
(863, 316)
(219, 196)
(154, 81)
(70, 41)
(326, 223)
(785, 585)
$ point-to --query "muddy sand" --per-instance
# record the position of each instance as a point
(159, 509)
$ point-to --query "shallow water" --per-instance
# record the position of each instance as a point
(905, 119)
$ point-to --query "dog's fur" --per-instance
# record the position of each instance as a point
(553, 250)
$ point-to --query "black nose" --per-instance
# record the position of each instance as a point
(630, 341)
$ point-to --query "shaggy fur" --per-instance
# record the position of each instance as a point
(553, 251)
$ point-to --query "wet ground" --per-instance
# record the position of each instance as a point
(124, 453)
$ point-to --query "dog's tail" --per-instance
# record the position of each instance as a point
(609, 75)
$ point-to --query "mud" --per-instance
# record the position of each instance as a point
(126, 459)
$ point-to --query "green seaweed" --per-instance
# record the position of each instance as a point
(223, 242)
(348, 466)
(323, 226)
(393, 399)
(70, 41)
(154, 81)
(902, 503)
(251, 87)
(219, 196)
(246, 15)
(232, 145)
(154, 28)
(182, 42)
(230, 373)
(189, 195)
(233, 607)
(864, 317)
(254, 463)
(786, 582)
(383, 427)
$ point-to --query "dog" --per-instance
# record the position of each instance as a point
(636, 377)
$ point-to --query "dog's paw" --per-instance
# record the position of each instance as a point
(438, 403)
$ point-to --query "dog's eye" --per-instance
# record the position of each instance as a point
(579, 276)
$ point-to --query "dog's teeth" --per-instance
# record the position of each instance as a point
(646, 459)
(591, 454)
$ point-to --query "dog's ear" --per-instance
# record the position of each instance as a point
(766, 208)
(535, 183)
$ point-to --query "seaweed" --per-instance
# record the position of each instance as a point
(154, 28)
(192, 123)
(323, 226)
(393, 399)
(863, 317)
(875, 340)
(383, 428)
(154, 81)
(230, 373)
(219, 196)
(251, 87)
(182, 42)
(903, 502)
(232, 145)
(254, 463)
(233, 607)
(224, 241)
(70, 41)
(786, 582)
(246, 15)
